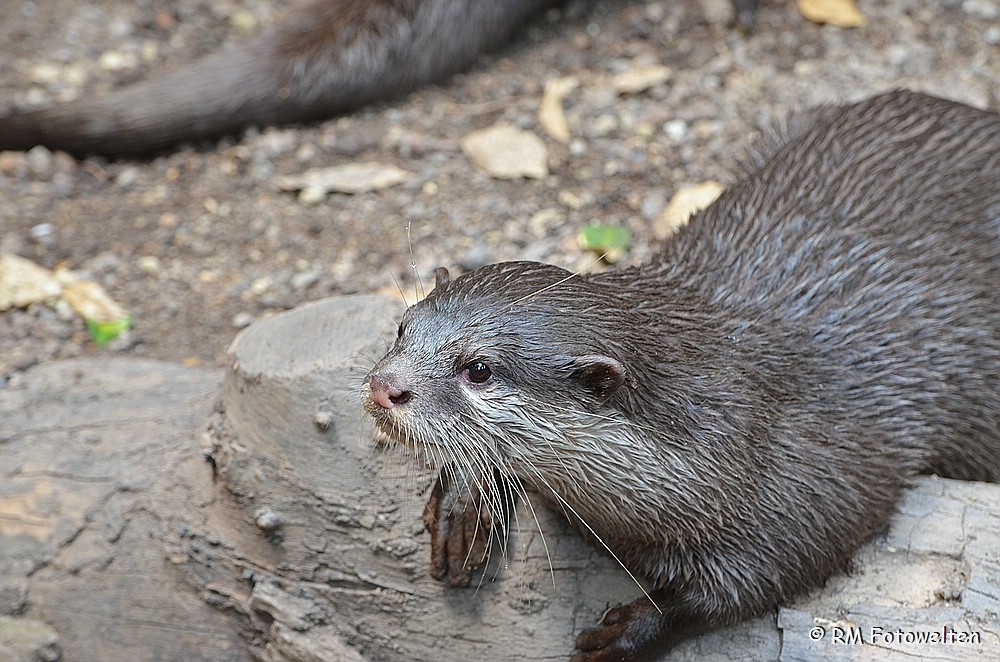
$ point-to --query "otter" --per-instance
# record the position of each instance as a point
(328, 58)
(733, 419)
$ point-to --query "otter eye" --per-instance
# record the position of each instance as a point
(477, 372)
(399, 331)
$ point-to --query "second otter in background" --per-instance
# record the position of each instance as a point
(330, 57)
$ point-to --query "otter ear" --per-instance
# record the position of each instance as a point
(441, 277)
(600, 375)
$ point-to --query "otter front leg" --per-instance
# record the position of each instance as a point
(638, 630)
(465, 515)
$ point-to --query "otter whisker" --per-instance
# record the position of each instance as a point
(488, 461)
(583, 522)
(558, 282)
(541, 535)
(418, 285)
(472, 468)
(399, 288)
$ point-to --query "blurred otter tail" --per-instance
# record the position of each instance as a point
(332, 57)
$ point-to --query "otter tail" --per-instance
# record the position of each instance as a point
(334, 56)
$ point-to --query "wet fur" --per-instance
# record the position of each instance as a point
(824, 332)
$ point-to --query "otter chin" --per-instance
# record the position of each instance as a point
(733, 419)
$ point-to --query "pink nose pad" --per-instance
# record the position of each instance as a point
(387, 393)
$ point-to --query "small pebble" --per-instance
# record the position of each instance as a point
(116, 61)
(244, 21)
(676, 130)
(323, 419)
(305, 279)
(45, 74)
(43, 233)
(64, 164)
(267, 520)
(653, 203)
(604, 125)
(13, 164)
(149, 264)
(986, 9)
(242, 320)
(306, 153)
(127, 177)
(312, 195)
(40, 163)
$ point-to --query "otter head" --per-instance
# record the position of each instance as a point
(495, 365)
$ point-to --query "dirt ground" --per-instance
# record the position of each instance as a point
(199, 242)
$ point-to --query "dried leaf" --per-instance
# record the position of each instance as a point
(640, 79)
(683, 205)
(92, 302)
(550, 112)
(506, 152)
(22, 282)
(842, 13)
(348, 178)
(105, 319)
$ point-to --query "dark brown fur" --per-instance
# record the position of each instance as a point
(733, 419)
(330, 57)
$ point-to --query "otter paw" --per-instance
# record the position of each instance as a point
(604, 642)
(460, 523)
(624, 633)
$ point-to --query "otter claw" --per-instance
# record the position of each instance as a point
(599, 644)
(606, 641)
(631, 631)
(459, 521)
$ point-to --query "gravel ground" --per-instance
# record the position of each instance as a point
(200, 242)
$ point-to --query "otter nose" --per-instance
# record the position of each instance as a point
(388, 391)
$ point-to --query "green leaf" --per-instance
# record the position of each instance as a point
(609, 241)
(104, 332)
